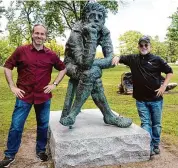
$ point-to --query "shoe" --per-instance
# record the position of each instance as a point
(156, 150)
(6, 162)
(42, 156)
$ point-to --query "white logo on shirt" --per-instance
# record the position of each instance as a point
(149, 63)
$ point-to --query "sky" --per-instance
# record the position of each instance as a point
(150, 17)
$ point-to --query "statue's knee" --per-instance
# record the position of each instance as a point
(91, 75)
(96, 72)
(86, 77)
(98, 86)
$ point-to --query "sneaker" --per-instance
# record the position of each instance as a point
(156, 150)
(6, 162)
(42, 156)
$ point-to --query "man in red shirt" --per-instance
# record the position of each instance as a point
(34, 64)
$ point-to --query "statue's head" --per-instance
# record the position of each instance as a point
(94, 13)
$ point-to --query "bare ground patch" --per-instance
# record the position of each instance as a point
(26, 157)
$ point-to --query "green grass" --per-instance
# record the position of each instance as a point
(123, 104)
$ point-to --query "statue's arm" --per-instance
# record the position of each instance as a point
(74, 49)
(107, 49)
(81, 48)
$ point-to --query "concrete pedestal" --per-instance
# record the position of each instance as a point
(92, 143)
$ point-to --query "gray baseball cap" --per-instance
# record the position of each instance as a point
(145, 39)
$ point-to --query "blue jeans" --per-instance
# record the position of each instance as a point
(19, 117)
(151, 115)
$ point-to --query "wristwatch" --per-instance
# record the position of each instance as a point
(55, 83)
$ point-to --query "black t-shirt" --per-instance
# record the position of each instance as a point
(146, 74)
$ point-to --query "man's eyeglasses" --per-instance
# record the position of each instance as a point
(145, 45)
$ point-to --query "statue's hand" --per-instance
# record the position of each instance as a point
(90, 32)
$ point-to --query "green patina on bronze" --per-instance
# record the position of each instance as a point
(84, 70)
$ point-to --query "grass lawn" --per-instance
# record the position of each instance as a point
(123, 104)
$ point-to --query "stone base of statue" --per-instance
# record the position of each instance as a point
(92, 143)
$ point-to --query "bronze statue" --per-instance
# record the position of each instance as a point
(84, 70)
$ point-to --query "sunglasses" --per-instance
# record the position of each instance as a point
(143, 45)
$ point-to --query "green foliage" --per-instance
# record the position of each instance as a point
(173, 28)
(56, 15)
(61, 15)
(22, 15)
(159, 48)
(172, 37)
(129, 42)
(99, 54)
(15, 33)
(112, 6)
(1, 12)
(53, 18)
(129, 45)
(172, 50)
(6, 50)
(57, 48)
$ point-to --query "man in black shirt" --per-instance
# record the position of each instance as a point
(146, 71)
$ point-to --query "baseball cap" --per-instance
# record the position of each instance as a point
(145, 39)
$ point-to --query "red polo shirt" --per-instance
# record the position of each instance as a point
(34, 71)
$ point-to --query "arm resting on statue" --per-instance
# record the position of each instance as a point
(107, 49)
(103, 63)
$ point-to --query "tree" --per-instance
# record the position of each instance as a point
(22, 15)
(6, 49)
(59, 49)
(128, 42)
(61, 15)
(2, 10)
(172, 50)
(172, 37)
(173, 28)
(159, 48)
(56, 15)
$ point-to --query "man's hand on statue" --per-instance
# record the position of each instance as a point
(49, 88)
(115, 61)
(160, 91)
(17, 92)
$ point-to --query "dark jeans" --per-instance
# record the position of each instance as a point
(19, 117)
(150, 115)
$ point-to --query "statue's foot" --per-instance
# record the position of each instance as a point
(119, 121)
(67, 121)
